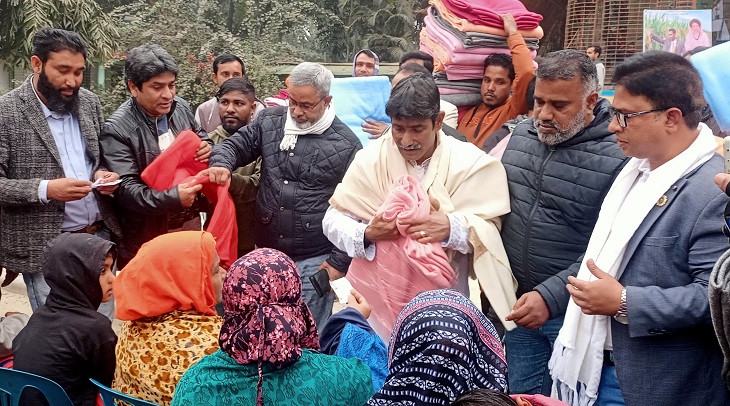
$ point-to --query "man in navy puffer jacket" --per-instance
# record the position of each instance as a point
(559, 166)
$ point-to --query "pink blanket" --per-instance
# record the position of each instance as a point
(402, 268)
(486, 12)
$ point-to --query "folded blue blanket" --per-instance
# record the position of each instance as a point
(715, 80)
(356, 99)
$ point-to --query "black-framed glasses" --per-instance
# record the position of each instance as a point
(622, 118)
(304, 106)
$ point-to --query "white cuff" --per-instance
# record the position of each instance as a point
(43, 192)
(459, 238)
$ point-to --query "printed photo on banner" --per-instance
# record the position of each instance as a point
(677, 31)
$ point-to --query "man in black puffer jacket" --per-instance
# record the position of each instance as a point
(305, 152)
(140, 129)
(559, 168)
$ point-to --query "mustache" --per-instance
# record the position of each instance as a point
(412, 147)
(539, 122)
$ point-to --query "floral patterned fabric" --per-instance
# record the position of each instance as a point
(314, 380)
(442, 347)
(153, 353)
(266, 321)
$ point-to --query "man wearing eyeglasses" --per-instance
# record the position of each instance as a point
(305, 151)
(637, 329)
(559, 167)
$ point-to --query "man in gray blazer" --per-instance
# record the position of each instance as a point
(641, 294)
(49, 160)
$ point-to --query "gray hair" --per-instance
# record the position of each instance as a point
(147, 61)
(312, 74)
(567, 64)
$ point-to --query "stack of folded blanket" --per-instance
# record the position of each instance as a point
(460, 34)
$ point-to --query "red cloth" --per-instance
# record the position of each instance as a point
(539, 400)
(177, 165)
(402, 268)
(486, 12)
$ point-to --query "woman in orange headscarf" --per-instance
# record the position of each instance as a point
(166, 295)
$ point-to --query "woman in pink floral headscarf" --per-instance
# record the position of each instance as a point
(269, 346)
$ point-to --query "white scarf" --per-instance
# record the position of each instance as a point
(292, 132)
(577, 358)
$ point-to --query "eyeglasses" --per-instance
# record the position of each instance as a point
(304, 106)
(622, 118)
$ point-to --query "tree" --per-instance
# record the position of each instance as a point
(21, 19)
(188, 31)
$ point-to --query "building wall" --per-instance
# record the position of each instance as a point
(615, 25)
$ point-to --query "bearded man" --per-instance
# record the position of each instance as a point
(50, 161)
(559, 166)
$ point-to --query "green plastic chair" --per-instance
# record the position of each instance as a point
(108, 395)
(13, 382)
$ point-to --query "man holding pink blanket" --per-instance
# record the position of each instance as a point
(411, 212)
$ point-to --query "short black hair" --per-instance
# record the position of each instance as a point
(484, 397)
(597, 49)
(226, 58)
(147, 61)
(503, 61)
(426, 58)
(530, 94)
(672, 30)
(237, 84)
(48, 40)
(415, 97)
(412, 67)
(646, 75)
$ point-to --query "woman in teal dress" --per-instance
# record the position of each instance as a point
(269, 346)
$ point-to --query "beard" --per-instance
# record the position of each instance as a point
(55, 101)
(562, 134)
(232, 128)
(305, 125)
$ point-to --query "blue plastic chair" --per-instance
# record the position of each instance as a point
(13, 382)
(108, 395)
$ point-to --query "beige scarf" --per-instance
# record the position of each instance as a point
(460, 178)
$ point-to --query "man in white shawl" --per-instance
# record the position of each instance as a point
(637, 330)
(466, 189)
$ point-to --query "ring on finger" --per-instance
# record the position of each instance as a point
(423, 233)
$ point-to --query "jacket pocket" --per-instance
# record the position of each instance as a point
(312, 222)
(661, 241)
(263, 214)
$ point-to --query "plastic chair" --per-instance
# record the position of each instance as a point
(13, 382)
(108, 395)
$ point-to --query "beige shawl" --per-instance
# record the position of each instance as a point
(460, 178)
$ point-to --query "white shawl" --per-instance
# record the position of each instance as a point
(292, 132)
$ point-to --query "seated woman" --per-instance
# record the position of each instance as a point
(442, 347)
(167, 295)
(67, 340)
(269, 346)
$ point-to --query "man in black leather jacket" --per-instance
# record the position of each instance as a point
(305, 152)
(140, 129)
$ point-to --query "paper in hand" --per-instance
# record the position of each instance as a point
(98, 183)
(342, 288)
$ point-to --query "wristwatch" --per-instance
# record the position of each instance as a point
(622, 315)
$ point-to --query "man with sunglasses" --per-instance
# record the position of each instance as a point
(305, 151)
(637, 329)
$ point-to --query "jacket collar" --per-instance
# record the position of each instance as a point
(597, 129)
(151, 121)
